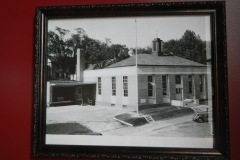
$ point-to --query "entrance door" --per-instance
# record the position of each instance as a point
(165, 90)
(179, 87)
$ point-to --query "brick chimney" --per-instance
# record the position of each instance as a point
(80, 65)
(157, 47)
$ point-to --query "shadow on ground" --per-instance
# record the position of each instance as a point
(131, 119)
(69, 129)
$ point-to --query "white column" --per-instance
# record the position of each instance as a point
(48, 95)
(193, 86)
(78, 65)
(181, 76)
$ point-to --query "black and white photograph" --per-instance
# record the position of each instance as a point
(142, 81)
(132, 81)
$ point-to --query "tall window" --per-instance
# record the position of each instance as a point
(178, 79)
(125, 86)
(99, 86)
(164, 84)
(150, 86)
(190, 83)
(113, 86)
(201, 83)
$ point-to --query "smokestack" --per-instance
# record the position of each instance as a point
(80, 65)
(157, 47)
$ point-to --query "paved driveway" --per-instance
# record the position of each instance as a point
(96, 118)
(101, 120)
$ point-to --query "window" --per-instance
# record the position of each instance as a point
(113, 86)
(164, 84)
(201, 83)
(178, 90)
(150, 86)
(190, 83)
(125, 86)
(178, 79)
(99, 86)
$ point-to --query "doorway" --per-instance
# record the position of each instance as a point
(179, 87)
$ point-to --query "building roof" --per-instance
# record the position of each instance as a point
(153, 60)
(69, 83)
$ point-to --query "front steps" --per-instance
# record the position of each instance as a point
(149, 118)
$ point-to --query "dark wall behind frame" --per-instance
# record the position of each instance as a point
(17, 18)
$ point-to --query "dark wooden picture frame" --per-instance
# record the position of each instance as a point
(218, 60)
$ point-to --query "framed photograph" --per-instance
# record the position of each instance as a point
(131, 81)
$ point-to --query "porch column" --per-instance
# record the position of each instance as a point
(194, 86)
(49, 94)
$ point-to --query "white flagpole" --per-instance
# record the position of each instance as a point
(136, 65)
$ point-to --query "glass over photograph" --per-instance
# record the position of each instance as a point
(130, 81)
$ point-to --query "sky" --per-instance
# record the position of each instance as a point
(136, 31)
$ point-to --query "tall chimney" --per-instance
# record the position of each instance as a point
(80, 65)
(157, 47)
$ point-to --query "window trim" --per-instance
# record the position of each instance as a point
(99, 85)
(125, 86)
(114, 86)
(150, 83)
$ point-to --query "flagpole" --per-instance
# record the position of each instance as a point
(136, 65)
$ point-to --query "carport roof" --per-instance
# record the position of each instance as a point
(70, 83)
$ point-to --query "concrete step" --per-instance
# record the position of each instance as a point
(149, 119)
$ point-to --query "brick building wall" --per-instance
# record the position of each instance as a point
(159, 91)
(197, 86)
(186, 94)
(172, 86)
(142, 89)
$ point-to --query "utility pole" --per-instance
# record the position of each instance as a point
(136, 55)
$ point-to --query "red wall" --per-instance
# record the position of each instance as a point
(16, 63)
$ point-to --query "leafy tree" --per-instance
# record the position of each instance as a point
(172, 46)
(118, 52)
(146, 50)
(189, 46)
(60, 50)
(63, 51)
(103, 54)
(97, 54)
